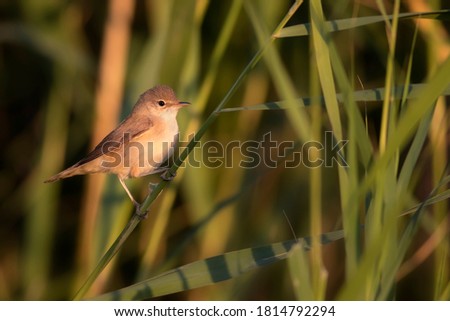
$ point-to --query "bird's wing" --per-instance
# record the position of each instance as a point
(130, 128)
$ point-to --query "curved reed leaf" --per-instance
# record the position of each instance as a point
(345, 24)
(368, 95)
(214, 269)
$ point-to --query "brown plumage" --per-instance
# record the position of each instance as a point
(139, 145)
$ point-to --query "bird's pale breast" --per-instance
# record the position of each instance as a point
(144, 154)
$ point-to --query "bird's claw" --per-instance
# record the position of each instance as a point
(139, 212)
(168, 175)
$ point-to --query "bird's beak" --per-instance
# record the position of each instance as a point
(183, 103)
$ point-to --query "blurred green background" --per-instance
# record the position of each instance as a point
(70, 70)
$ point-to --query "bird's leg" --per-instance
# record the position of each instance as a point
(151, 186)
(166, 176)
(136, 204)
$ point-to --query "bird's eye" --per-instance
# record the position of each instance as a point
(161, 103)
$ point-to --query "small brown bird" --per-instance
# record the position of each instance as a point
(139, 145)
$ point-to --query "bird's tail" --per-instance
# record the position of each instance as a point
(71, 171)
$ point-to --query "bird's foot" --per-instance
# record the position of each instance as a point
(139, 213)
(151, 186)
(168, 175)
